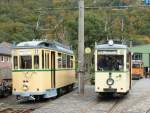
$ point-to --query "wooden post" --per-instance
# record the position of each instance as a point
(81, 47)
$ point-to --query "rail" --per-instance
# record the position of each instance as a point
(17, 110)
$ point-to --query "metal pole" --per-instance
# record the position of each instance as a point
(81, 47)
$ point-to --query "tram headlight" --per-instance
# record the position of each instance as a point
(110, 81)
(25, 87)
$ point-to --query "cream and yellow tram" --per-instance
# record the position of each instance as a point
(112, 68)
(42, 69)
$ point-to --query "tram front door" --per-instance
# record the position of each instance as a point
(53, 69)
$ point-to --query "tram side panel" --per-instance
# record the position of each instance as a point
(37, 82)
(65, 76)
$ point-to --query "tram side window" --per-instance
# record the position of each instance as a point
(15, 60)
(46, 60)
(64, 60)
(68, 61)
(71, 62)
(42, 59)
(49, 58)
(36, 62)
(59, 60)
(25, 62)
(128, 61)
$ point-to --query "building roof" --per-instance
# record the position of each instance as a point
(5, 44)
(141, 49)
(5, 48)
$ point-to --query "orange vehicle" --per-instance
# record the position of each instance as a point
(137, 69)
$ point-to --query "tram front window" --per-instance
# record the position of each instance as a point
(136, 65)
(25, 62)
(110, 63)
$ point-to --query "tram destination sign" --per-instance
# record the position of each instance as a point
(24, 52)
(110, 52)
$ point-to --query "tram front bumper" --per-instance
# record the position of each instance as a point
(27, 94)
(46, 94)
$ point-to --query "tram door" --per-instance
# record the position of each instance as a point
(53, 69)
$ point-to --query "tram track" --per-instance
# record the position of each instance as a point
(121, 104)
(116, 106)
(17, 109)
(89, 105)
(10, 105)
(92, 104)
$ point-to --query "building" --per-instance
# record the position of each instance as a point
(5, 55)
(142, 52)
(5, 60)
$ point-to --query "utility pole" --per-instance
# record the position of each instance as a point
(81, 48)
(122, 24)
(122, 28)
(106, 30)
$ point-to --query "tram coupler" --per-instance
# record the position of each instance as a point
(31, 98)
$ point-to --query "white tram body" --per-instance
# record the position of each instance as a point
(42, 69)
(112, 68)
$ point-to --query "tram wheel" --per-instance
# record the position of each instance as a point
(6, 94)
(70, 88)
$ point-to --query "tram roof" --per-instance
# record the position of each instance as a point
(114, 46)
(45, 44)
(30, 43)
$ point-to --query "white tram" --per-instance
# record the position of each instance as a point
(112, 68)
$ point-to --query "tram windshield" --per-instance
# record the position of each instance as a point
(25, 62)
(136, 65)
(110, 63)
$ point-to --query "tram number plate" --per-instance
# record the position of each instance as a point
(110, 90)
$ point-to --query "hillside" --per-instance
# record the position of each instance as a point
(18, 21)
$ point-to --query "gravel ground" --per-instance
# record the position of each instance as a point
(137, 101)
(11, 102)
